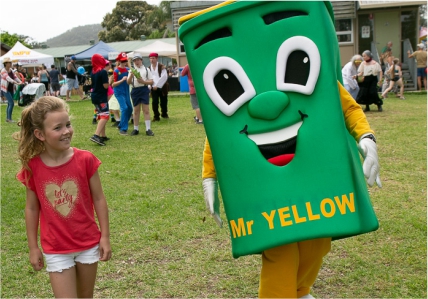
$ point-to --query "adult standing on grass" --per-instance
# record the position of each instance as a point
(421, 63)
(140, 94)
(99, 78)
(72, 80)
(193, 98)
(8, 79)
(63, 189)
(55, 78)
(44, 78)
(349, 74)
(159, 88)
(121, 91)
(370, 69)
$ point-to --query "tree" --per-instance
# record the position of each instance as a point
(131, 19)
(11, 39)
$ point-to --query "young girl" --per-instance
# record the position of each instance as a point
(396, 76)
(63, 189)
(113, 104)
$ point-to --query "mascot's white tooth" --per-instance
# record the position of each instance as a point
(276, 136)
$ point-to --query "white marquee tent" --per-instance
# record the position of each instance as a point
(162, 48)
(28, 57)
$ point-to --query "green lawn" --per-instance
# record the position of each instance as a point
(165, 244)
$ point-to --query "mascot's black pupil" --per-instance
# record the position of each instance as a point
(228, 86)
(298, 67)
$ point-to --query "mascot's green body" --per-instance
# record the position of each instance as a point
(266, 75)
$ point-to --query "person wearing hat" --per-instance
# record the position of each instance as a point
(8, 79)
(99, 96)
(159, 87)
(140, 93)
(121, 92)
(72, 81)
(421, 63)
(19, 71)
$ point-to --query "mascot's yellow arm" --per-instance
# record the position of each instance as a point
(355, 121)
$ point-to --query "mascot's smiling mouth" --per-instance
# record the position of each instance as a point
(278, 147)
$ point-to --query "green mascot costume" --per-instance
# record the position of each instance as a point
(282, 134)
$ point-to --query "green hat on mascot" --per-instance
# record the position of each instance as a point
(266, 75)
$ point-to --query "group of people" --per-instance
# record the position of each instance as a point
(131, 87)
(363, 76)
(50, 79)
(360, 79)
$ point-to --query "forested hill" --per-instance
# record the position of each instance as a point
(76, 36)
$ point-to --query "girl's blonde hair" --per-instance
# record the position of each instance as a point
(32, 118)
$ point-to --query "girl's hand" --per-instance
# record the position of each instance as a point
(105, 249)
(36, 259)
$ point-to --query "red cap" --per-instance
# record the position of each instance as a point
(153, 55)
(107, 62)
(122, 57)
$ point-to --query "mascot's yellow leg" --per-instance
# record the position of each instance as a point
(290, 270)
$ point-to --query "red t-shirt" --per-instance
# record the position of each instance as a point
(67, 220)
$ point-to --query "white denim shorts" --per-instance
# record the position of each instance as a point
(60, 262)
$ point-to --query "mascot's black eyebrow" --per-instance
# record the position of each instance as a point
(280, 15)
(220, 33)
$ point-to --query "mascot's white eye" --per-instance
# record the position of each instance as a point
(298, 65)
(227, 84)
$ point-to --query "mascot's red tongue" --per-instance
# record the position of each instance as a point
(281, 160)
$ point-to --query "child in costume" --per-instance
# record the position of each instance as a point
(63, 189)
(282, 136)
(121, 91)
(112, 102)
(99, 96)
(140, 78)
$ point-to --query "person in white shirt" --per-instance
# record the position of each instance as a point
(349, 75)
(140, 78)
(159, 88)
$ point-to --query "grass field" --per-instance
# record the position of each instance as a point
(165, 244)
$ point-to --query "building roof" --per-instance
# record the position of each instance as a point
(61, 52)
(125, 46)
(367, 4)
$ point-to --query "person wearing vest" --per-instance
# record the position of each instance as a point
(72, 82)
(159, 87)
(140, 78)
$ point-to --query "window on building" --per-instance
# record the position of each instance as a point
(181, 49)
(344, 31)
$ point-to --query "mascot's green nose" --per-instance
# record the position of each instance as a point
(268, 105)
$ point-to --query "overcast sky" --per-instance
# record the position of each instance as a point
(44, 19)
